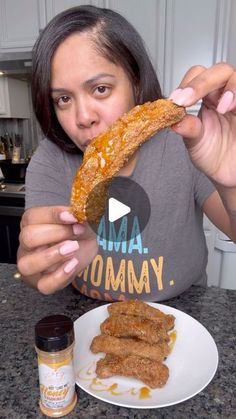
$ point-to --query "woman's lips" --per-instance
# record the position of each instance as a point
(86, 143)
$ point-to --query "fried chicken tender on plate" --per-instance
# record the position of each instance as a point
(152, 373)
(109, 152)
(139, 308)
(136, 327)
(129, 346)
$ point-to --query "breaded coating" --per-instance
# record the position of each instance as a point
(135, 327)
(139, 308)
(152, 373)
(129, 346)
(109, 152)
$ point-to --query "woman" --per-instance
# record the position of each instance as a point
(89, 68)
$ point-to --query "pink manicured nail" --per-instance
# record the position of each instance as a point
(68, 217)
(225, 102)
(69, 247)
(182, 97)
(78, 229)
(71, 265)
(175, 94)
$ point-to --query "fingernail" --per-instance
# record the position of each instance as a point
(71, 265)
(68, 217)
(69, 247)
(225, 102)
(182, 97)
(175, 94)
(78, 229)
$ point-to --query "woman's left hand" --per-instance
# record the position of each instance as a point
(211, 137)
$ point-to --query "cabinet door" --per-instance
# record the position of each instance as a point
(231, 58)
(196, 32)
(4, 109)
(21, 22)
(53, 7)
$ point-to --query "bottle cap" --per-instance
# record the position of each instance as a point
(54, 333)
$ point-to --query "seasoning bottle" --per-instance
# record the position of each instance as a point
(54, 342)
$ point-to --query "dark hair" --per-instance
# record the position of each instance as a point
(114, 37)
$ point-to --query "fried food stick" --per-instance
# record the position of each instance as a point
(136, 327)
(129, 346)
(139, 308)
(109, 152)
(152, 373)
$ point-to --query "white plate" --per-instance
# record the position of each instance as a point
(192, 363)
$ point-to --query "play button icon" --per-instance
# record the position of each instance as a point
(126, 212)
(116, 210)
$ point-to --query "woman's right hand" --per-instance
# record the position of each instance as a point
(53, 248)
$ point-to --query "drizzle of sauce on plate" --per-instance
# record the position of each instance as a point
(97, 385)
(88, 374)
(145, 393)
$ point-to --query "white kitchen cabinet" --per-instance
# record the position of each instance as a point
(22, 21)
(3, 95)
(231, 55)
(20, 24)
(196, 32)
(14, 98)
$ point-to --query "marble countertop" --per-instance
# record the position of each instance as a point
(20, 309)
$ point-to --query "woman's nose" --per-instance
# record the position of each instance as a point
(86, 115)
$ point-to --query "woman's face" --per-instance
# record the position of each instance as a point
(89, 92)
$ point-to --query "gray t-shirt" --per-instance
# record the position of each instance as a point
(170, 254)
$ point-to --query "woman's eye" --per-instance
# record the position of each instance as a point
(102, 90)
(62, 100)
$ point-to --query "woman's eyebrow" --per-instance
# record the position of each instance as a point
(85, 83)
(58, 90)
(96, 78)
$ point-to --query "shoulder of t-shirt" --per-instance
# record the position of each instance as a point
(49, 153)
(49, 148)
